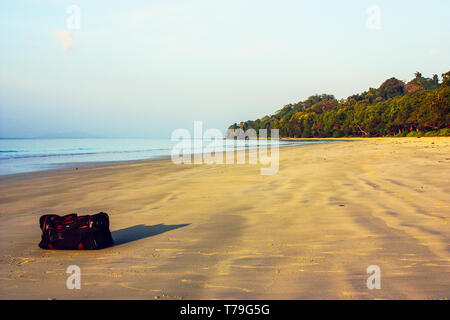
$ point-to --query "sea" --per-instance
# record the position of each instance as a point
(30, 155)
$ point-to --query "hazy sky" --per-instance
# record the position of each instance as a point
(144, 68)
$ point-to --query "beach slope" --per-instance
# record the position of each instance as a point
(225, 231)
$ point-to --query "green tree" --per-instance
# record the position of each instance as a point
(392, 109)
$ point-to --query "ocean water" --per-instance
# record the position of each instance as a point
(28, 155)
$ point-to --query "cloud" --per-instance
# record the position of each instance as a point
(65, 38)
(186, 46)
(175, 45)
(138, 18)
(434, 51)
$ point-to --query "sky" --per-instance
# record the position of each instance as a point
(146, 68)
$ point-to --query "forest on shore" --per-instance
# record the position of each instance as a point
(417, 108)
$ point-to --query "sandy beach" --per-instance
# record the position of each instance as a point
(226, 232)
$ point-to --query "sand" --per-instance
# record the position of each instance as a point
(226, 232)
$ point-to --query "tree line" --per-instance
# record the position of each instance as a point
(419, 107)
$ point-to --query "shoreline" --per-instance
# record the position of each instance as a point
(226, 232)
(95, 164)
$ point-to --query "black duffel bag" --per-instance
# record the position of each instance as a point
(73, 232)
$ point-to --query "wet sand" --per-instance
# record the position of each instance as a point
(225, 231)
